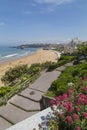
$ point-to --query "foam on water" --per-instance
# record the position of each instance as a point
(8, 53)
(7, 56)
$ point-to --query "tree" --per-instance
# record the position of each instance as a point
(82, 49)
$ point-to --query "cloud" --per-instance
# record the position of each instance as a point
(47, 10)
(2, 23)
(51, 5)
(57, 2)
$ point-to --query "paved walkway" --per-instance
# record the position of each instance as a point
(27, 102)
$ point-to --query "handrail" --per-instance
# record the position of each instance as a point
(17, 89)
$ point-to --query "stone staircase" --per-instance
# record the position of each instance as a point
(26, 103)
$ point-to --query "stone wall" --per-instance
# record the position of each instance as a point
(45, 102)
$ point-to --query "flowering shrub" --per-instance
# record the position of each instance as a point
(70, 110)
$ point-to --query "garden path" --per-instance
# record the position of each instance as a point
(26, 103)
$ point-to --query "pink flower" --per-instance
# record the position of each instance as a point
(77, 103)
(70, 92)
(58, 100)
(85, 101)
(78, 128)
(82, 96)
(75, 116)
(77, 109)
(85, 88)
(69, 119)
(64, 96)
(60, 103)
(82, 99)
(85, 114)
(68, 106)
(52, 102)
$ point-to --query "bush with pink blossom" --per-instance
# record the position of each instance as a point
(70, 110)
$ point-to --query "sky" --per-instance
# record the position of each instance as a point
(28, 21)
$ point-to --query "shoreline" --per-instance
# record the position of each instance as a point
(18, 58)
(40, 56)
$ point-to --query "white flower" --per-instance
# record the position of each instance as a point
(70, 84)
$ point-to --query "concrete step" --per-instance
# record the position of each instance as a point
(32, 94)
(43, 83)
(61, 68)
(25, 104)
(4, 124)
(14, 114)
(69, 64)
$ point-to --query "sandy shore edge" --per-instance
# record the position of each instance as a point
(39, 56)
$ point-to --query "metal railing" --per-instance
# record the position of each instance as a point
(17, 89)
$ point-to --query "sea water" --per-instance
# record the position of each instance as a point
(8, 53)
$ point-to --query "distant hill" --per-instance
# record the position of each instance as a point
(23, 46)
(32, 46)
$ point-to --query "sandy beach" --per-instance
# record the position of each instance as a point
(40, 56)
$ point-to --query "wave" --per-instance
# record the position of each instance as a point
(14, 56)
(11, 55)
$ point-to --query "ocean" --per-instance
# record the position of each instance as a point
(8, 53)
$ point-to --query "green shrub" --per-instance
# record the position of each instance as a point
(14, 74)
(63, 60)
(37, 67)
(25, 77)
(46, 65)
(82, 49)
(83, 73)
(4, 91)
(70, 75)
(36, 70)
(68, 57)
(57, 64)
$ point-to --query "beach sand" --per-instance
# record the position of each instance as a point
(40, 56)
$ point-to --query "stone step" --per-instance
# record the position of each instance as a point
(61, 68)
(14, 114)
(69, 64)
(32, 94)
(43, 83)
(25, 104)
(4, 124)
